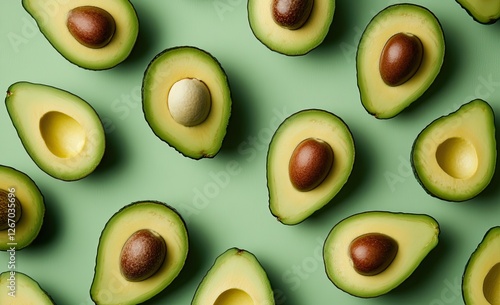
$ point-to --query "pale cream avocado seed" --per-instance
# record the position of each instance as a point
(189, 102)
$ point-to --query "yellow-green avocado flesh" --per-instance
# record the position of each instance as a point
(379, 99)
(51, 17)
(167, 68)
(481, 279)
(236, 277)
(483, 11)
(109, 286)
(288, 204)
(61, 132)
(454, 157)
(26, 290)
(285, 41)
(18, 185)
(415, 234)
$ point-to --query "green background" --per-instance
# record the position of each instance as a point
(224, 200)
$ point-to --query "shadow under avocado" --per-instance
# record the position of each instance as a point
(113, 154)
(283, 295)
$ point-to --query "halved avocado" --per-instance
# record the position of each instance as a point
(22, 209)
(17, 288)
(123, 27)
(236, 277)
(415, 235)
(481, 279)
(289, 204)
(61, 132)
(110, 285)
(283, 40)
(486, 12)
(454, 157)
(173, 66)
(385, 101)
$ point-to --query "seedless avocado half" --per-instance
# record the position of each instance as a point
(378, 98)
(19, 189)
(27, 290)
(61, 132)
(109, 285)
(485, 12)
(51, 17)
(290, 42)
(203, 140)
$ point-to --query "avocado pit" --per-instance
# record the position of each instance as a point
(189, 102)
(400, 58)
(142, 255)
(6, 209)
(372, 253)
(91, 26)
(291, 14)
(310, 163)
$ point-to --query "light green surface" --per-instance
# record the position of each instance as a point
(224, 200)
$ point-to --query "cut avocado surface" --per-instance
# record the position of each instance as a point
(22, 209)
(385, 101)
(486, 12)
(289, 204)
(187, 100)
(415, 235)
(25, 290)
(61, 132)
(236, 277)
(481, 279)
(110, 284)
(52, 18)
(287, 41)
(454, 157)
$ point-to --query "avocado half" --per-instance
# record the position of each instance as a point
(236, 277)
(378, 98)
(454, 157)
(25, 291)
(52, 17)
(61, 132)
(24, 222)
(109, 286)
(283, 40)
(415, 234)
(481, 279)
(204, 139)
(485, 12)
(292, 206)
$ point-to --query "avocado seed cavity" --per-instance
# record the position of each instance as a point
(310, 163)
(491, 285)
(91, 26)
(458, 158)
(142, 255)
(62, 134)
(10, 209)
(189, 102)
(372, 253)
(234, 296)
(400, 59)
(291, 14)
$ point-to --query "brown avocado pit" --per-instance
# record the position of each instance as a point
(91, 26)
(6, 209)
(310, 163)
(291, 14)
(372, 253)
(400, 58)
(142, 255)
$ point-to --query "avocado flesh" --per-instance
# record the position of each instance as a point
(379, 99)
(288, 204)
(61, 132)
(486, 12)
(236, 277)
(285, 41)
(27, 291)
(415, 234)
(32, 203)
(203, 140)
(454, 157)
(109, 286)
(481, 279)
(51, 18)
